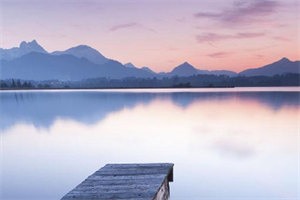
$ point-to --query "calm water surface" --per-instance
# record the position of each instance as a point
(239, 144)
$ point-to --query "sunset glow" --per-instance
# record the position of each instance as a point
(161, 34)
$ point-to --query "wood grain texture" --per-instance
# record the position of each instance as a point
(126, 182)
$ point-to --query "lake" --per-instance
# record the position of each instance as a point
(226, 144)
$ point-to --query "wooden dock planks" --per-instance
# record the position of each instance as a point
(126, 182)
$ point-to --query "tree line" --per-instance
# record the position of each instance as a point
(165, 82)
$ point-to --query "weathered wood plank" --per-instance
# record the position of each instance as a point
(143, 165)
(125, 181)
(130, 176)
(131, 172)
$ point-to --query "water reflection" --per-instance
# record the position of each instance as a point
(43, 108)
(236, 145)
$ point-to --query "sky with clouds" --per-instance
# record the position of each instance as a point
(161, 34)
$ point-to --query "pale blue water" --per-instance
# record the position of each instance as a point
(235, 143)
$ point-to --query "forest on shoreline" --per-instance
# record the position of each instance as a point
(195, 81)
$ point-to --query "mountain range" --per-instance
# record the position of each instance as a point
(30, 61)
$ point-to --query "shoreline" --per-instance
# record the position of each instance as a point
(164, 89)
(118, 88)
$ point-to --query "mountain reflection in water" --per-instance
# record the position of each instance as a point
(224, 144)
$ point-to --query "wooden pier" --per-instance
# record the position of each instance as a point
(126, 182)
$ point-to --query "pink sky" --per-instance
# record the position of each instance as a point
(161, 34)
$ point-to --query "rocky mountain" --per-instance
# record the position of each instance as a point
(84, 51)
(186, 69)
(30, 61)
(40, 66)
(130, 65)
(24, 48)
(281, 66)
(147, 69)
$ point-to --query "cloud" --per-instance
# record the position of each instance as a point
(208, 15)
(213, 37)
(249, 35)
(221, 54)
(130, 26)
(123, 26)
(243, 12)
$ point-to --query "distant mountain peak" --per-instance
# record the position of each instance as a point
(284, 59)
(84, 51)
(32, 46)
(82, 46)
(282, 66)
(185, 69)
(26, 44)
(33, 42)
(186, 65)
(148, 70)
(23, 44)
(129, 65)
(23, 49)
